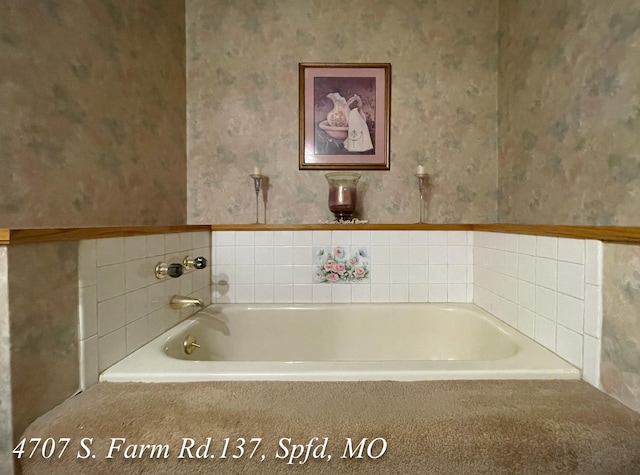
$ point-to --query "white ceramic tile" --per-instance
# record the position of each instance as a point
(380, 274)
(361, 293)
(399, 293)
(379, 293)
(593, 310)
(244, 293)
(470, 238)
(283, 255)
(264, 293)
(322, 293)
(571, 312)
(399, 255)
(380, 255)
(283, 274)
(87, 262)
(469, 275)
(283, 238)
(497, 241)
(264, 274)
(155, 245)
(399, 274)
(245, 275)
(526, 295)
(527, 268)
(470, 293)
(245, 255)
(419, 238)
(264, 255)
(245, 238)
(321, 238)
(526, 321)
(593, 262)
(155, 297)
(136, 334)
(341, 293)
(379, 238)
(510, 288)
(201, 239)
(457, 255)
(135, 247)
(546, 303)
(136, 305)
(111, 315)
(110, 281)
(302, 256)
(109, 251)
(437, 274)
(341, 238)
(361, 238)
(88, 312)
(89, 372)
(457, 274)
(591, 360)
(571, 250)
(263, 238)
(511, 243)
(547, 273)
(545, 332)
(283, 293)
(418, 292)
(225, 255)
(186, 283)
(418, 274)
(571, 279)
(224, 238)
(456, 293)
(457, 238)
(398, 238)
(547, 247)
(510, 264)
(138, 273)
(171, 288)
(172, 243)
(438, 255)
(302, 238)
(303, 274)
(482, 239)
(111, 349)
(437, 238)
(419, 254)
(303, 293)
(527, 244)
(186, 241)
(156, 323)
(569, 346)
(437, 292)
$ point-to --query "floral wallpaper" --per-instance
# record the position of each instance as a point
(242, 105)
(620, 361)
(569, 102)
(92, 123)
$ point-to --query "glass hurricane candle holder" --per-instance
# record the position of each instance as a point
(343, 194)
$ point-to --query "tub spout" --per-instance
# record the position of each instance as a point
(178, 302)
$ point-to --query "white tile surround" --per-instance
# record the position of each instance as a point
(548, 288)
(122, 304)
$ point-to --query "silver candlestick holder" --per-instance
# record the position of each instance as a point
(423, 186)
(257, 184)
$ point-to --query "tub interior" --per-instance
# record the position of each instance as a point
(343, 333)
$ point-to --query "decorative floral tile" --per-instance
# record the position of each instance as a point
(341, 264)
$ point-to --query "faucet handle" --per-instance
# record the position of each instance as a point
(164, 270)
(197, 263)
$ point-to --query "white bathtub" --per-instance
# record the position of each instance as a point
(402, 342)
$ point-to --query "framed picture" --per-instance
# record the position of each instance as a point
(344, 116)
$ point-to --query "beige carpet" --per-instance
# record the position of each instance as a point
(439, 427)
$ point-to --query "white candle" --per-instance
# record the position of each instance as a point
(420, 170)
(257, 171)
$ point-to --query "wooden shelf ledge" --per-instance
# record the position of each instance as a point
(621, 234)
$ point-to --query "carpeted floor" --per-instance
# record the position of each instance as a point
(438, 427)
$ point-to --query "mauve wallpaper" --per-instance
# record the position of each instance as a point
(620, 362)
(569, 102)
(92, 123)
(242, 101)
